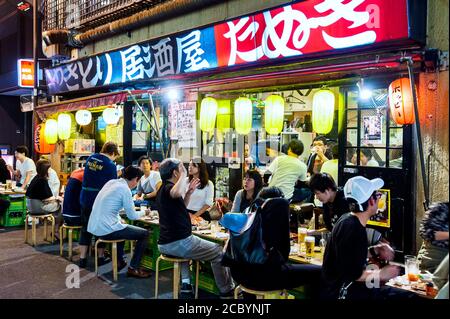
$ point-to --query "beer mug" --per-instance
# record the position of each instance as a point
(301, 238)
(309, 245)
(8, 184)
(13, 184)
(411, 268)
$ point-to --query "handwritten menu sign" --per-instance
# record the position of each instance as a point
(182, 123)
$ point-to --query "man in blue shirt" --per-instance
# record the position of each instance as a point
(105, 221)
(99, 169)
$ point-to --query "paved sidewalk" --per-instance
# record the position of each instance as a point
(39, 272)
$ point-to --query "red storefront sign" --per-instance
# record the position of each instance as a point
(309, 27)
(25, 73)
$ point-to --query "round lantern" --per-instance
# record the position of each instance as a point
(274, 114)
(323, 111)
(83, 117)
(208, 113)
(64, 126)
(243, 115)
(51, 131)
(401, 101)
(40, 145)
(111, 116)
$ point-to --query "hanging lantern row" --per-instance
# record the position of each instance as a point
(323, 111)
(401, 101)
(83, 117)
(274, 114)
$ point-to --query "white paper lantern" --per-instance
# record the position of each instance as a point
(64, 126)
(111, 116)
(83, 117)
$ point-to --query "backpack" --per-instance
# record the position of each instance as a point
(248, 247)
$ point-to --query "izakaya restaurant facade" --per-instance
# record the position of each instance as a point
(237, 84)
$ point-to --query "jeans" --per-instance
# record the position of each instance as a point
(196, 248)
(132, 233)
(72, 221)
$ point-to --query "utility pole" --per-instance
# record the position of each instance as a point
(36, 67)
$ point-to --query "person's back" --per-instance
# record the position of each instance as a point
(345, 255)
(98, 171)
(71, 204)
(286, 171)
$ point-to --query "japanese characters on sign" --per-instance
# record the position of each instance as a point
(294, 30)
(25, 73)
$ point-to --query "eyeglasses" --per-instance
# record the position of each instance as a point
(377, 195)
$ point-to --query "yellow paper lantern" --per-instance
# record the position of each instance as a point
(208, 114)
(64, 126)
(243, 115)
(111, 116)
(323, 111)
(274, 114)
(223, 118)
(51, 131)
(83, 117)
(401, 101)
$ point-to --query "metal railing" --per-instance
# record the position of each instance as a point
(84, 14)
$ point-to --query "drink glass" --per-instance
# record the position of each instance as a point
(309, 245)
(411, 268)
(8, 184)
(13, 184)
(215, 227)
(143, 208)
(301, 238)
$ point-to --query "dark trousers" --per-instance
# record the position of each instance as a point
(301, 194)
(289, 276)
(132, 233)
(72, 221)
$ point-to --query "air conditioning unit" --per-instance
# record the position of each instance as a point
(26, 104)
(55, 51)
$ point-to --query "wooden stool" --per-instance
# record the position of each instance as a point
(176, 274)
(260, 294)
(45, 218)
(63, 233)
(113, 254)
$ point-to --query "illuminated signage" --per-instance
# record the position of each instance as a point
(25, 73)
(23, 6)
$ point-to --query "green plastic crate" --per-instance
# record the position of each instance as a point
(13, 218)
(206, 282)
(148, 261)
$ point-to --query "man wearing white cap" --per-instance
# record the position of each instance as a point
(344, 271)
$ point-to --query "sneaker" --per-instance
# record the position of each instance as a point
(227, 295)
(138, 273)
(103, 261)
(82, 263)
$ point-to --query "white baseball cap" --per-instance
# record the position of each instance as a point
(360, 188)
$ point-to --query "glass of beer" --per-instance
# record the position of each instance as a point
(309, 245)
(8, 184)
(301, 238)
(411, 268)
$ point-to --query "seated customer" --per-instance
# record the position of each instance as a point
(175, 237)
(434, 232)
(71, 211)
(105, 221)
(276, 273)
(202, 198)
(40, 200)
(149, 183)
(244, 197)
(345, 273)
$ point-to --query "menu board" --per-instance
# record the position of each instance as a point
(182, 123)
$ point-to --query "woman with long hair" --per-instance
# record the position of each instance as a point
(203, 197)
(5, 174)
(252, 184)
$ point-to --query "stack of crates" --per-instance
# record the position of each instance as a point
(15, 215)
(206, 279)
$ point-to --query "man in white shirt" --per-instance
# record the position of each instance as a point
(287, 169)
(105, 221)
(25, 167)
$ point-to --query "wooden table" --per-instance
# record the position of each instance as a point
(407, 286)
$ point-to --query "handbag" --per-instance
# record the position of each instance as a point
(249, 247)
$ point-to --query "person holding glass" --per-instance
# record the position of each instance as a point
(252, 185)
(203, 196)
